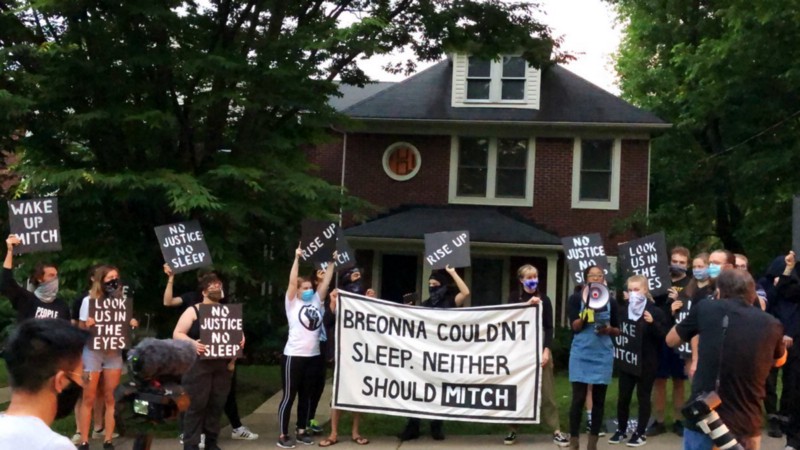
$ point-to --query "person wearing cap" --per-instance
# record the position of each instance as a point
(440, 297)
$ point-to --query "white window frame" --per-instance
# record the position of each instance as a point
(496, 84)
(491, 176)
(616, 164)
(388, 152)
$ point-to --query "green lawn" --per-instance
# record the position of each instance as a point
(3, 375)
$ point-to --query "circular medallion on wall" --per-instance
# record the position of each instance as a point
(401, 161)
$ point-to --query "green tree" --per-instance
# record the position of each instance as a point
(726, 74)
(140, 113)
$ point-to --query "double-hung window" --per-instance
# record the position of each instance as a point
(596, 173)
(492, 170)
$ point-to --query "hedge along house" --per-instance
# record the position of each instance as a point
(518, 156)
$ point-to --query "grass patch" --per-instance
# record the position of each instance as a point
(3, 376)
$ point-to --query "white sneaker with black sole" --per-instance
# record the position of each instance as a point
(618, 437)
(511, 438)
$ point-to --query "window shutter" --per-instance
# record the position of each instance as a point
(459, 84)
(533, 83)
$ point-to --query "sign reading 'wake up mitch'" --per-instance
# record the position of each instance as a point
(472, 364)
(35, 222)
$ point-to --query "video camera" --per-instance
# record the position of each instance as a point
(701, 412)
(154, 390)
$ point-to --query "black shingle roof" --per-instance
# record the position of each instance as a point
(485, 224)
(565, 98)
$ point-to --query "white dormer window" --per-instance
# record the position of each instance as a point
(507, 82)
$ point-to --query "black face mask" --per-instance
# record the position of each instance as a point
(436, 293)
(676, 270)
(67, 399)
(111, 286)
(355, 287)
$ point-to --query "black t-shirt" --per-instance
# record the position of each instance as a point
(547, 314)
(663, 301)
(27, 304)
(753, 342)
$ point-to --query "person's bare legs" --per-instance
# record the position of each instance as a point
(110, 382)
(660, 398)
(356, 419)
(98, 412)
(335, 415)
(87, 404)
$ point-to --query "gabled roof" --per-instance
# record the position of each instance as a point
(354, 94)
(485, 224)
(565, 99)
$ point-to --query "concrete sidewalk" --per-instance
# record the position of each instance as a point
(264, 421)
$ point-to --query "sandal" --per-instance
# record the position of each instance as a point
(328, 442)
(361, 440)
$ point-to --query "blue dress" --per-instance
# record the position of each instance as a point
(591, 357)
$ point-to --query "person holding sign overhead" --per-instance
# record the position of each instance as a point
(208, 380)
(43, 302)
(591, 357)
(105, 287)
(301, 360)
(648, 319)
(440, 297)
(528, 291)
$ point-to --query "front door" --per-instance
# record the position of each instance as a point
(398, 276)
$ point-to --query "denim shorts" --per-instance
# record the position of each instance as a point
(99, 360)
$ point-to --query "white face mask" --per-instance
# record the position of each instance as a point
(636, 304)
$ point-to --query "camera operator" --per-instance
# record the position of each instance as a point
(733, 365)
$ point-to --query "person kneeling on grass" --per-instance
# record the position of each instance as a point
(330, 323)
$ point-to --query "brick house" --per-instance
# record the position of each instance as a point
(518, 156)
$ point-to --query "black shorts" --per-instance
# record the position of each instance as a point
(670, 364)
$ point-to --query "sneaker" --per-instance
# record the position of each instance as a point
(313, 427)
(180, 438)
(637, 440)
(560, 439)
(656, 428)
(602, 431)
(202, 441)
(76, 438)
(618, 437)
(303, 438)
(101, 434)
(511, 438)
(285, 442)
(243, 433)
(774, 428)
(83, 446)
(108, 445)
(677, 428)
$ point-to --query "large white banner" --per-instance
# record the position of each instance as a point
(472, 364)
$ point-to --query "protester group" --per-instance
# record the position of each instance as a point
(715, 326)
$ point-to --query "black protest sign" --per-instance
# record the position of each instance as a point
(183, 246)
(112, 317)
(647, 256)
(685, 349)
(345, 256)
(35, 222)
(221, 331)
(448, 248)
(318, 242)
(796, 224)
(628, 347)
(582, 252)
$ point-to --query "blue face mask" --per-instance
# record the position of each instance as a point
(530, 284)
(307, 295)
(700, 274)
(714, 270)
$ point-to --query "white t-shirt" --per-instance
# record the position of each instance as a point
(305, 324)
(30, 433)
(83, 315)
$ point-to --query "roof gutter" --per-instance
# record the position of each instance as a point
(610, 125)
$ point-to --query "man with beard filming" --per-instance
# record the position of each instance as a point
(728, 387)
(43, 358)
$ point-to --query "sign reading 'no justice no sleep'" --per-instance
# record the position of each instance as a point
(183, 246)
